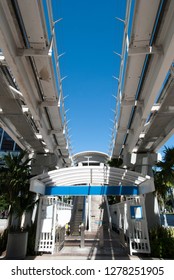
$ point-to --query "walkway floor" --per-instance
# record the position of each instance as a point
(111, 250)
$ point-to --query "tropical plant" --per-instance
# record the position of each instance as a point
(160, 187)
(115, 162)
(162, 242)
(164, 176)
(14, 186)
(3, 203)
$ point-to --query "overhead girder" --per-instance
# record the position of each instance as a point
(25, 45)
(17, 124)
(142, 84)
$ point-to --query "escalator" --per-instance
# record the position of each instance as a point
(77, 216)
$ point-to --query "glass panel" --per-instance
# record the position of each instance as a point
(7, 143)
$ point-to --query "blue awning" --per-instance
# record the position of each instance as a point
(91, 190)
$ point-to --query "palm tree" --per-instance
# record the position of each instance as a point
(14, 185)
(164, 178)
(115, 162)
(160, 187)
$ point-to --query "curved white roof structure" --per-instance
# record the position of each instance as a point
(90, 157)
(93, 176)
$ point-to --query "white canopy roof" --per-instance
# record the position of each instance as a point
(93, 175)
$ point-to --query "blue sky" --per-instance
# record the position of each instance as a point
(88, 34)
(169, 143)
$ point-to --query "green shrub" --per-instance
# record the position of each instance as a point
(162, 242)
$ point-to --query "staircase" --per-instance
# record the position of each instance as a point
(77, 215)
(100, 241)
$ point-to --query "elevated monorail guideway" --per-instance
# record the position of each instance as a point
(146, 104)
(90, 186)
(32, 103)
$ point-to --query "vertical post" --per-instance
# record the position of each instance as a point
(101, 241)
(53, 232)
(89, 212)
(38, 229)
(165, 218)
(82, 232)
(144, 165)
(108, 212)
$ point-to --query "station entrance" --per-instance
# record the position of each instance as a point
(91, 219)
(89, 216)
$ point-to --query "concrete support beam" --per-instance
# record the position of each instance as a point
(132, 103)
(43, 163)
(145, 50)
(152, 210)
(145, 162)
(32, 52)
(125, 130)
(122, 130)
(60, 147)
(55, 131)
(48, 103)
(144, 165)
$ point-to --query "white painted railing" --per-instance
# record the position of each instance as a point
(48, 222)
(129, 219)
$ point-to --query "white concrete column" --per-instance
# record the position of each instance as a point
(144, 165)
(43, 163)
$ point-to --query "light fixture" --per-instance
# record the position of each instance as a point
(133, 158)
(135, 149)
(2, 57)
(25, 109)
(142, 135)
(39, 136)
(134, 155)
(155, 108)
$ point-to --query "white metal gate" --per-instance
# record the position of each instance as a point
(47, 224)
(138, 230)
(129, 218)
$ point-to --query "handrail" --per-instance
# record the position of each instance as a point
(108, 212)
(83, 224)
(84, 211)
